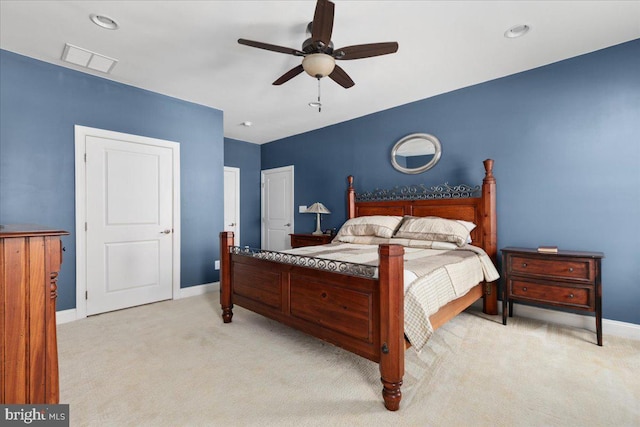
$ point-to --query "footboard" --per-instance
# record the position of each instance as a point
(360, 314)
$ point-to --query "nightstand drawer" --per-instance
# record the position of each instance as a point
(574, 297)
(578, 269)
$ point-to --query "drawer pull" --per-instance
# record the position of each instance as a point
(570, 269)
(524, 288)
(570, 295)
(524, 264)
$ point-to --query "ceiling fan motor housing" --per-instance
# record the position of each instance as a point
(310, 46)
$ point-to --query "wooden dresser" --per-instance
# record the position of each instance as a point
(298, 240)
(566, 279)
(30, 258)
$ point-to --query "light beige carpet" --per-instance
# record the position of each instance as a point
(175, 363)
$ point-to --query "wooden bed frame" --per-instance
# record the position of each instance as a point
(360, 314)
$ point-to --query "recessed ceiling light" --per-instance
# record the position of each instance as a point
(517, 31)
(104, 21)
(246, 124)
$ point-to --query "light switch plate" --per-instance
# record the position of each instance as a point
(302, 209)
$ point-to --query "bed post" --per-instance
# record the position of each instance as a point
(490, 231)
(226, 241)
(351, 199)
(391, 272)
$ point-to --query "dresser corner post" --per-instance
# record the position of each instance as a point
(53, 261)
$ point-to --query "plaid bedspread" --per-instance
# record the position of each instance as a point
(432, 278)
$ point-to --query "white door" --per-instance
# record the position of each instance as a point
(277, 208)
(129, 223)
(232, 202)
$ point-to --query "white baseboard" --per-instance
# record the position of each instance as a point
(193, 291)
(620, 329)
(609, 327)
(66, 316)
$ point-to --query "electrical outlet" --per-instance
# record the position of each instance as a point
(302, 209)
(217, 264)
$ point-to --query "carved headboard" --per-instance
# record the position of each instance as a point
(474, 204)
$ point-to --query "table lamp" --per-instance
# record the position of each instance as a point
(318, 208)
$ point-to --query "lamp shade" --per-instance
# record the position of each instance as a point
(318, 207)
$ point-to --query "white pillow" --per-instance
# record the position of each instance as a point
(433, 228)
(375, 225)
(469, 225)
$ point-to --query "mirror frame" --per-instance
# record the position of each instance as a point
(425, 136)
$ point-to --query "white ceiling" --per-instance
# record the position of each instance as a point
(189, 49)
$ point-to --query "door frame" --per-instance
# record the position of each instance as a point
(262, 198)
(236, 172)
(81, 132)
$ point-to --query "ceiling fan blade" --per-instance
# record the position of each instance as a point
(289, 75)
(322, 25)
(365, 50)
(339, 76)
(271, 47)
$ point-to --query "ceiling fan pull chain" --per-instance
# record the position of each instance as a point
(319, 103)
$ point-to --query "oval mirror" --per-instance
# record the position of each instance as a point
(416, 153)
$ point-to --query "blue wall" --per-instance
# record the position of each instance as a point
(566, 144)
(565, 138)
(246, 156)
(39, 105)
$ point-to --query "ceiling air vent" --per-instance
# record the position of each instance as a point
(85, 58)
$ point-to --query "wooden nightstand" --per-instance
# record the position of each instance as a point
(567, 279)
(298, 240)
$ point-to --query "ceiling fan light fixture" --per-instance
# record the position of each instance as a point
(318, 64)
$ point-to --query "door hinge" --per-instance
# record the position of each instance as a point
(86, 295)
(85, 157)
(85, 226)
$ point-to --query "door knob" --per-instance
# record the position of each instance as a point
(287, 224)
(233, 224)
(167, 231)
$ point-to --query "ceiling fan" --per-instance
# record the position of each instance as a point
(319, 55)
